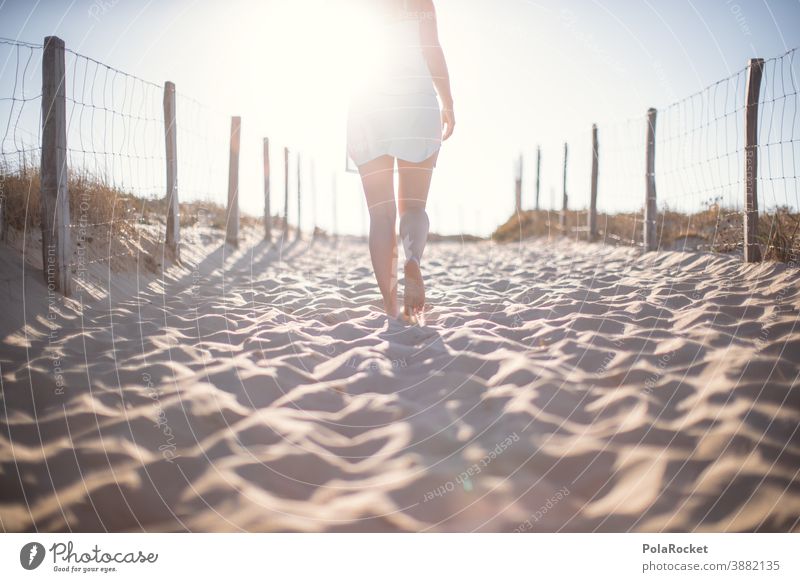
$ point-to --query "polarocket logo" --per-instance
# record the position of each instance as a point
(31, 555)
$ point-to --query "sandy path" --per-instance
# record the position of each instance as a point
(565, 387)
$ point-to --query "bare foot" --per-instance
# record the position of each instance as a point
(390, 303)
(391, 309)
(414, 291)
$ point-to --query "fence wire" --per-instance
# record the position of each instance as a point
(699, 168)
(116, 157)
(779, 150)
(620, 181)
(20, 118)
(699, 174)
(115, 154)
(203, 134)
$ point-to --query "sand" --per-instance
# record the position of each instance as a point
(558, 386)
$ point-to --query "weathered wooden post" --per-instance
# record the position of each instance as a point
(333, 201)
(232, 218)
(593, 199)
(173, 236)
(564, 197)
(650, 209)
(3, 229)
(752, 252)
(299, 233)
(518, 186)
(285, 234)
(56, 244)
(313, 180)
(267, 210)
(538, 173)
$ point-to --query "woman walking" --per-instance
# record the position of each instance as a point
(395, 117)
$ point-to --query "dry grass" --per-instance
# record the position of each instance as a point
(109, 226)
(780, 234)
(714, 229)
(90, 201)
(93, 202)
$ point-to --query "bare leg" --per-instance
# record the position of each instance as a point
(414, 184)
(377, 176)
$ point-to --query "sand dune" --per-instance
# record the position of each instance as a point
(557, 387)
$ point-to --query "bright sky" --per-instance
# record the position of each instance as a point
(523, 73)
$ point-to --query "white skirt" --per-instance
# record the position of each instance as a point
(404, 126)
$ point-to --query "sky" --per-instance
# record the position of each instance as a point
(524, 74)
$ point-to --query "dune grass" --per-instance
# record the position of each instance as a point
(94, 202)
(716, 229)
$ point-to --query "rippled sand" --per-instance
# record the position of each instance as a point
(557, 387)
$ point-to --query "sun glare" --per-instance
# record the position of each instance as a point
(322, 45)
(314, 52)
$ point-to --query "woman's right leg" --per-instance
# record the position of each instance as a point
(377, 176)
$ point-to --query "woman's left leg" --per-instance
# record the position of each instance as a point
(377, 177)
(413, 186)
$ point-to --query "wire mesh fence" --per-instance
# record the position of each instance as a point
(701, 160)
(203, 134)
(700, 178)
(116, 157)
(779, 152)
(20, 116)
(620, 180)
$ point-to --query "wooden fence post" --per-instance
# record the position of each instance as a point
(313, 180)
(173, 236)
(56, 244)
(333, 198)
(232, 218)
(564, 198)
(285, 234)
(593, 199)
(538, 173)
(518, 186)
(752, 252)
(299, 234)
(650, 209)
(267, 210)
